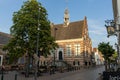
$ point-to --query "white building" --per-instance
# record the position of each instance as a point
(98, 57)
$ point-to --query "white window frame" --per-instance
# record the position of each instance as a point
(68, 50)
(77, 49)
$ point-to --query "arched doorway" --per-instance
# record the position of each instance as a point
(60, 55)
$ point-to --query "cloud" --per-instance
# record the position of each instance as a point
(98, 33)
(96, 28)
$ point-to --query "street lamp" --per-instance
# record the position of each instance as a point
(55, 29)
(110, 26)
(117, 47)
(26, 38)
(38, 29)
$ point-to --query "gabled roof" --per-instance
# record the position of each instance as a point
(72, 31)
(4, 38)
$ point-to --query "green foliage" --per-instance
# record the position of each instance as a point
(106, 49)
(115, 55)
(24, 31)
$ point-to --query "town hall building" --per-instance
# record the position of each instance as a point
(75, 46)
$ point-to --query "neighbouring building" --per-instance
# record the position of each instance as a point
(75, 45)
(99, 60)
(4, 38)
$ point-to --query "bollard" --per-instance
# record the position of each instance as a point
(50, 71)
(15, 76)
(2, 77)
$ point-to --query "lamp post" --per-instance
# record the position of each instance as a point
(112, 29)
(26, 38)
(55, 29)
(117, 48)
(36, 62)
(110, 26)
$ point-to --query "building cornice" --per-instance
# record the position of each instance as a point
(70, 40)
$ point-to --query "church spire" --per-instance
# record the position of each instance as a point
(66, 16)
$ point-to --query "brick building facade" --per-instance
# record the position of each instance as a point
(75, 46)
(4, 38)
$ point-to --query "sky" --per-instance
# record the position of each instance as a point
(96, 11)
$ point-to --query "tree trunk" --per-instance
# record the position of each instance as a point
(105, 65)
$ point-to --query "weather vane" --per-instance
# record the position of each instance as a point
(66, 3)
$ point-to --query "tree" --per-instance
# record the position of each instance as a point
(113, 58)
(107, 50)
(24, 31)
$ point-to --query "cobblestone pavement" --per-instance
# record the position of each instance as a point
(82, 74)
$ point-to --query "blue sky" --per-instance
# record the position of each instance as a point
(96, 11)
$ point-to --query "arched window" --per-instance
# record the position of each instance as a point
(60, 55)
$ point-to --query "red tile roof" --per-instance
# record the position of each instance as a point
(72, 31)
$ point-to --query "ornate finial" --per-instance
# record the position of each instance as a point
(66, 16)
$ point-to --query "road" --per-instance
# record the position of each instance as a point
(82, 74)
(88, 74)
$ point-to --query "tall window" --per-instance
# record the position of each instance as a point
(68, 50)
(77, 49)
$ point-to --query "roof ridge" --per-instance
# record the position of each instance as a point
(70, 22)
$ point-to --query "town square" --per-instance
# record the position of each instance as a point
(60, 40)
